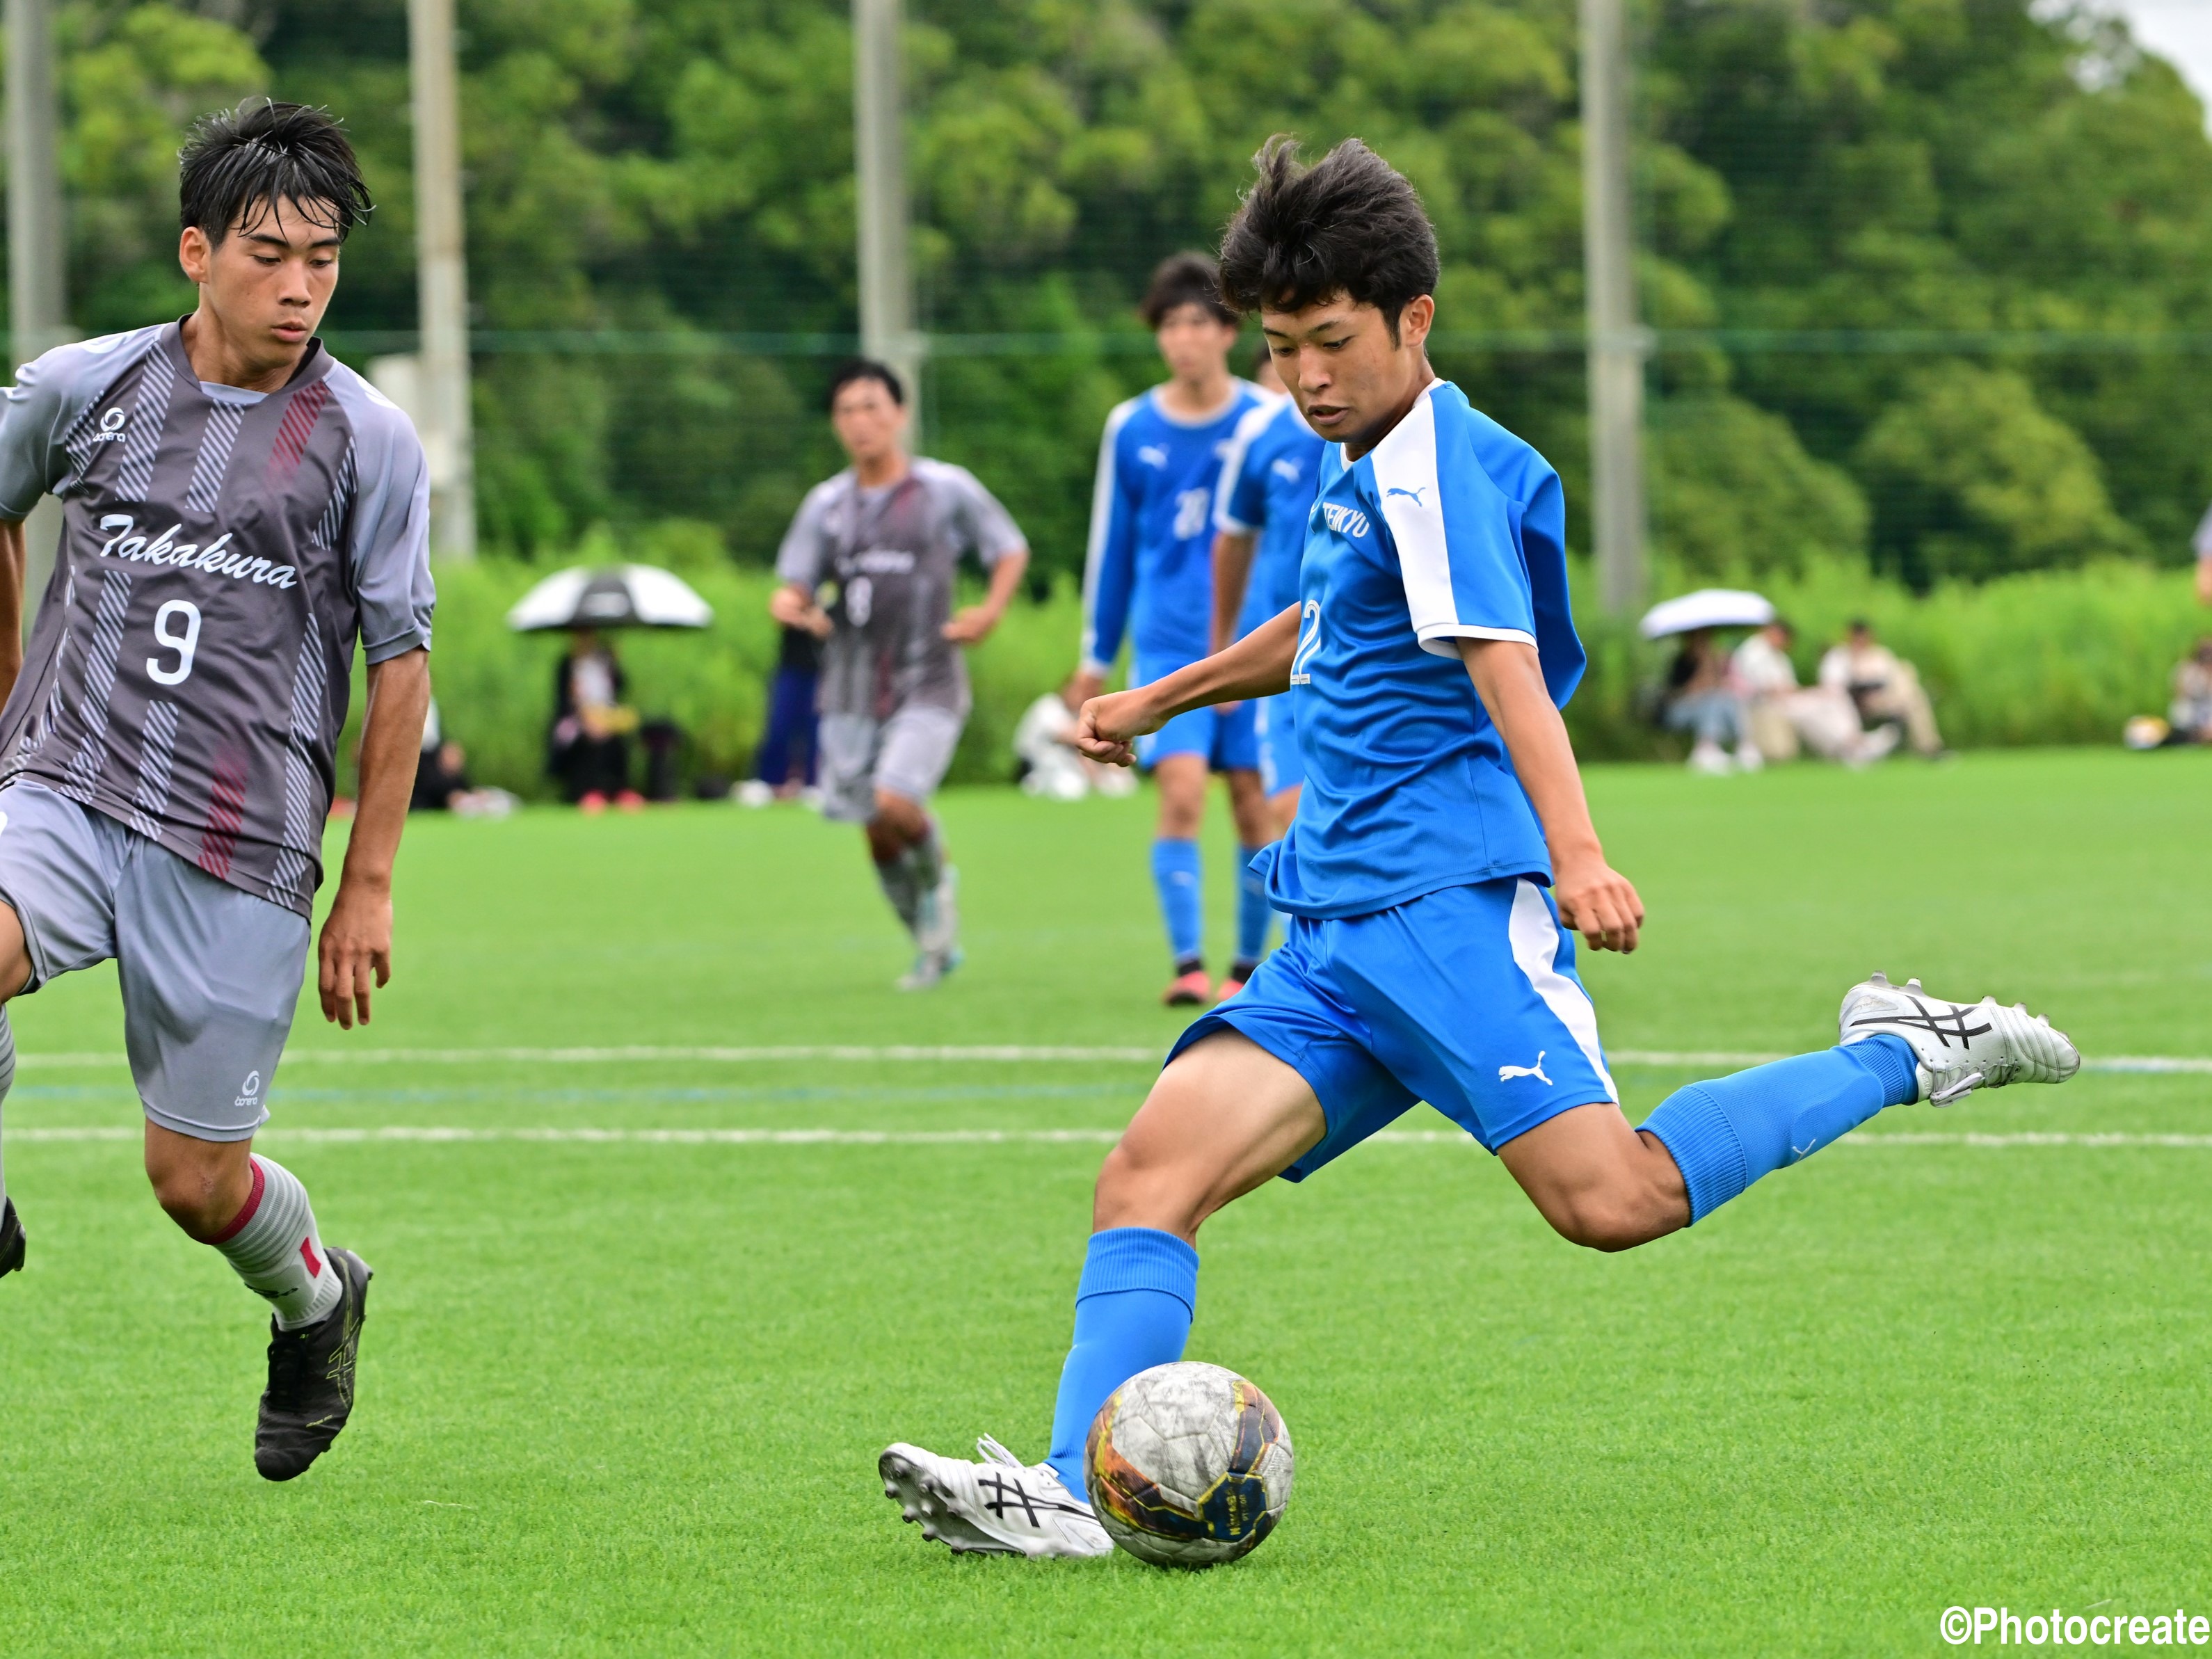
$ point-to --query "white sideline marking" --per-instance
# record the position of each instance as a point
(985, 1054)
(987, 1137)
(989, 1054)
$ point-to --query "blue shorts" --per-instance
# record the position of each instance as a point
(1276, 725)
(1465, 997)
(1229, 742)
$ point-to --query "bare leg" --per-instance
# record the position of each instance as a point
(202, 1184)
(1597, 1181)
(1224, 1117)
(1247, 805)
(1181, 781)
(1283, 806)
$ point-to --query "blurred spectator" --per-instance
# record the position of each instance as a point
(1884, 687)
(1783, 716)
(784, 766)
(1704, 699)
(2203, 544)
(1044, 744)
(588, 748)
(2190, 714)
(442, 778)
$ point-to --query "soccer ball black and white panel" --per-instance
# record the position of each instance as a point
(1188, 1464)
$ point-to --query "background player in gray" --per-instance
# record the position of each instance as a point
(238, 508)
(869, 567)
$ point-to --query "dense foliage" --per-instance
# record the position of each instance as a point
(1996, 181)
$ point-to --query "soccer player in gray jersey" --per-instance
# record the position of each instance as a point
(237, 509)
(868, 567)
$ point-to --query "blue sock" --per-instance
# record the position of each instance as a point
(1726, 1134)
(1254, 914)
(1176, 873)
(1133, 1309)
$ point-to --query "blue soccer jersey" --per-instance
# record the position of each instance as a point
(1149, 573)
(1266, 492)
(1450, 528)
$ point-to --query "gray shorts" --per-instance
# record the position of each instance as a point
(906, 754)
(210, 974)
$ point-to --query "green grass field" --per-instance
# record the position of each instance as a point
(625, 1395)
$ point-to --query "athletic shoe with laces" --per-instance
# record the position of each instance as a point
(929, 969)
(1960, 1046)
(999, 1506)
(1188, 990)
(310, 1393)
(11, 1239)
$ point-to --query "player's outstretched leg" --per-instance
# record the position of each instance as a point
(255, 1213)
(1224, 1117)
(1896, 1045)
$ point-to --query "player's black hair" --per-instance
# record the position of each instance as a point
(864, 368)
(1349, 224)
(238, 164)
(1185, 279)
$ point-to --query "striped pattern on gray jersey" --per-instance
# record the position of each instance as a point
(135, 475)
(85, 766)
(218, 439)
(157, 748)
(334, 516)
(302, 789)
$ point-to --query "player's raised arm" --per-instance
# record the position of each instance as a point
(1257, 665)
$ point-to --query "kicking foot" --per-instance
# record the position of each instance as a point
(998, 1507)
(1960, 1046)
(1188, 990)
(937, 922)
(929, 968)
(11, 1239)
(310, 1393)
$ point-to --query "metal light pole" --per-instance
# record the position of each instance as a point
(1618, 346)
(887, 331)
(442, 279)
(38, 285)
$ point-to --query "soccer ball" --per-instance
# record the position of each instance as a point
(1188, 1464)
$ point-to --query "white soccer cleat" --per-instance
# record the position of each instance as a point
(1001, 1506)
(1960, 1046)
(937, 919)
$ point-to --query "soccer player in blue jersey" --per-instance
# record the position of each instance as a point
(1150, 575)
(1429, 653)
(1260, 514)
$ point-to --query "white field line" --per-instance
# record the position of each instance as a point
(986, 1054)
(985, 1137)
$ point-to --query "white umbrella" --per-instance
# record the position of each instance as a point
(1709, 607)
(611, 596)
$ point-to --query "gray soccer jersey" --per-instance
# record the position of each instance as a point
(221, 552)
(893, 554)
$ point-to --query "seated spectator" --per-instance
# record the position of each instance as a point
(588, 748)
(1044, 744)
(2190, 712)
(783, 768)
(1884, 688)
(1784, 716)
(1702, 699)
(442, 778)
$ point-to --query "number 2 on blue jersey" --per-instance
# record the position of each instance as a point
(1309, 642)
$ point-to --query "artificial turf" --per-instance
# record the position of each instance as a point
(625, 1395)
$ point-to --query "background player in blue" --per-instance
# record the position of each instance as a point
(1150, 573)
(1259, 515)
(1430, 652)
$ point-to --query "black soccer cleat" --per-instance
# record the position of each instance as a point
(310, 1393)
(11, 1239)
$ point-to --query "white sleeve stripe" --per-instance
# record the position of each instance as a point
(1405, 464)
(1102, 518)
(1232, 466)
(1432, 639)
